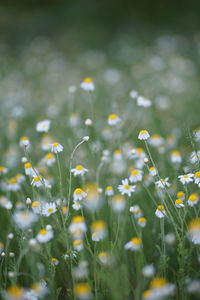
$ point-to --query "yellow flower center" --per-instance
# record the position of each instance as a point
(127, 187)
(135, 172)
(43, 232)
(112, 117)
(77, 243)
(142, 220)
(178, 201)
(15, 291)
(103, 255)
(143, 131)
(49, 156)
(175, 153)
(136, 241)
(88, 80)
(50, 210)
(180, 194)
(197, 174)
(185, 176)
(109, 188)
(36, 179)
(13, 181)
(79, 168)
(98, 225)
(1, 169)
(193, 197)
(53, 260)
(194, 224)
(82, 289)
(78, 219)
(152, 169)
(27, 165)
(65, 208)
(78, 191)
(55, 144)
(158, 282)
(161, 207)
(35, 204)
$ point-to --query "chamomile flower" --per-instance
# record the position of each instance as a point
(181, 195)
(24, 219)
(49, 209)
(134, 244)
(78, 245)
(186, 178)
(24, 142)
(160, 288)
(156, 140)
(176, 157)
(79, 170)
(20, 178)
(76, 205)
(118, 203)
(13, 185)
(39, 289)
(46, 142)
(3, 170)
(125, 188)
(29, 169)
(36, 207)
(15, 292)
(193, 199)
(109, 191)
(162, 183)
(79, 194)
(136, 211)
(103, 257)
(87, 84)
(65, 210)
(136, 175)
(144, 102)
(82, 291)
(153, 171)
(44, 235)
(113, 120)
(197, 177)
(143, 135)
(194, 157)
(50, 159)
(4, 202)
(142, 222)
(179, 203)
(160, 211)
(43, 126)
(194, 231)
(38, 181)
(54, 261)
(77, 225)
(56, 147)
(98, 229)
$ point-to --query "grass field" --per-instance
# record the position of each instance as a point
(71, 227)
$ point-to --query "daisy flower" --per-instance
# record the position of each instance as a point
(194, 231)
(160, 211)
(44, 235)
(37, 181)
(134, 244)
(187, 178)
(50, 159)
(136, 175)
(79, 194)
(4, 202)
(29, 169)
(76, 205)
(79, 170)
(125, 188)
(43, 126)
(160, 288)
(193, 199)
(3, 170)
(144, 102)
(103, 257)
(162, 183)
(24, 142)
(118, 203)
(77, 224)
(136, 211)
(113, 120)
(181, 195)
(46, 142)
(56, 147)
(194, 157)
(49, 209)
(78, 245)
(24, 219)
(82, 291)
(98, 229)
(54, 261)
(156, 140)
(197, 177)
(13, 185)
(179, 203)
(15, 292)
(109, 191)
(143, 135)
(36, 207)
(87, 84)
(153, 171)
(142, 222)
(176, 157)
(20, 178)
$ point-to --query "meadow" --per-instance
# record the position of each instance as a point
(100, 168)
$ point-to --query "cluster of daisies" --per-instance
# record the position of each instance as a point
(77, 214)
